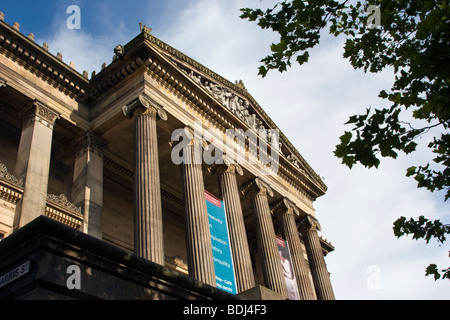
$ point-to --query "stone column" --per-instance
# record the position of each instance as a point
(319, 272)
(87, 190)
(229, 192)
(265, 235)
(33, 161)
(148, 224)
(198, 236)
(286, 211)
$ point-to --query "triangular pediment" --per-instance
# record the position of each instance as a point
(234, 98)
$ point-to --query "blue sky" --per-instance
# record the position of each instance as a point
(310, 104)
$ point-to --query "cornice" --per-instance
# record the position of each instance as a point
(24, 51)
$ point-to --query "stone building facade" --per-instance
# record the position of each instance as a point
(96, 153)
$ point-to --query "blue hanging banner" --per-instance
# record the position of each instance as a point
(223, 261)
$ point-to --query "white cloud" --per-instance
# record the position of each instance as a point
(88, 50)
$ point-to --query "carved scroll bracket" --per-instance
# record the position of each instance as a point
(309, 223)
(217, 168)
(285, 206)
(257, 185)
(144, 104)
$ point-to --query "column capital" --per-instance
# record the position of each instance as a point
(309, 223)
(225, 166)
(38, 112)
(285, 206)
(144, 105)
(188, 137)
(89, 141)
(257, 186)
(3, 83)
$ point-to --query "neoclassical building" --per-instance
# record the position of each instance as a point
(93, 176)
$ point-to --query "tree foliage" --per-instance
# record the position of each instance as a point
(412, 38)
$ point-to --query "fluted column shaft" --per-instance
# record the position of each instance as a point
(265, 236)
(198, 237)
(149, 241)
(319, 272)
(290, 233)
(236, 229)
(148, 224)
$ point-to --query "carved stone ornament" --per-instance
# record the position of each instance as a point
(225, 166)
(5, 175)
(144, 28)
(40, 113)
(147, 103)
(119, 51)
(257, 185)
(64, 202)
(178, 261)
(292, 159)
(309, 222)
(234, 103)
(190, 135)
(285, 206)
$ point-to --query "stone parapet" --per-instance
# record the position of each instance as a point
(106, 271)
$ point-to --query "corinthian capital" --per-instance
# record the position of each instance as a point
(145, 105)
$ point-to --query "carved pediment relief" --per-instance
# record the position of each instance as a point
(236, 104)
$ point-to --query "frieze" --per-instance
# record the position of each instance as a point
(64, 202)
(5, 175)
